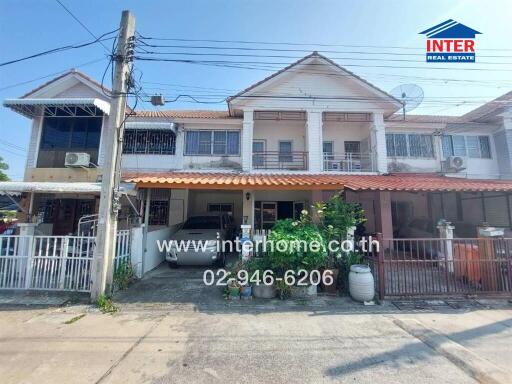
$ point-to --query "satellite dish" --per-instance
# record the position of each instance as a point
(410, 95)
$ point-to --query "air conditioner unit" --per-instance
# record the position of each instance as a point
(77, 159)
(455, 163)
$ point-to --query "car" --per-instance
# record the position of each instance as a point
(201, 234)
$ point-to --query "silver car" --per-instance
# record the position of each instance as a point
(196, 242)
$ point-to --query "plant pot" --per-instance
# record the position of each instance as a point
(331, 289)
(246, 292)
(361, 283)
(303, 291)
(233, 293)
(264, 291)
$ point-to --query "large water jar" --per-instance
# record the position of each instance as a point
(361, 283)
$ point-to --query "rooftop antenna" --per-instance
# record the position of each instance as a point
(410, 95)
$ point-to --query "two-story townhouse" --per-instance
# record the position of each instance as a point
(294, 138)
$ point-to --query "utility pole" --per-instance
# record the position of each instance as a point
(102, 267)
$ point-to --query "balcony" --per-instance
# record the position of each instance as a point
(349, 162)
(295, 160)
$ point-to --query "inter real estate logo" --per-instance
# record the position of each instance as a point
(450, 42)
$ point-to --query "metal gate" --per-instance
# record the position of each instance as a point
(443, 267)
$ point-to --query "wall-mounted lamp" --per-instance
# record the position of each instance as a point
(248, 196)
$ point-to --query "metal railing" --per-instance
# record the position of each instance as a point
(443, 267)
(59, 263)
(349, 162)
(295, 160)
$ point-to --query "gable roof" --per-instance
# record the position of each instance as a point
(74, 72)
(312, 55)
(450, 29)
(495, 106)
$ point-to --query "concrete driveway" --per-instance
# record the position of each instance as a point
(172, 329)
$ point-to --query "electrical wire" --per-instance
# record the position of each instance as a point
(60, 49)
(292, 43)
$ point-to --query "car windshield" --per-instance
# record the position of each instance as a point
(202, 222)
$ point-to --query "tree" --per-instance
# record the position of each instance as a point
(3, 167)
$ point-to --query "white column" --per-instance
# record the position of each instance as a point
(247, 134)
(378, 143)
(446, 232)
(314, 141)
(248, 207)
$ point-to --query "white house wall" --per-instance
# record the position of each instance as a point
(272, 131)
(199, 200)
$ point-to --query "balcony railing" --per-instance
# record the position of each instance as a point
(349, 162)
(280, 160)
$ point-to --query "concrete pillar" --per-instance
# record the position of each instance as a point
(248, 207)
(247, 135)
(383, 217)
(316, 196)
(137, 249)
(25, 248)
(378, 143)
(446, 232)
(314, 134)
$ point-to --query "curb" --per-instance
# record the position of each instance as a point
(480, 369)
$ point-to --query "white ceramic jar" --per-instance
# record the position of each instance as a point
(360, 283)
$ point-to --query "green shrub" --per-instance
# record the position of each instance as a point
(123, 275)
(106, 305)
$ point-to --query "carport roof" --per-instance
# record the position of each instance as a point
(267, 181)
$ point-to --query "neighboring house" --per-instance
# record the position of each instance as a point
(293, 138)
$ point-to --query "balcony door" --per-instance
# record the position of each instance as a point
(258, 148)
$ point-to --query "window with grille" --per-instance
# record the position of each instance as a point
(212, 143)
(471, 146)
(220, 207)
(149, 142)
(159, 212)
(352, 146)
(409, 145)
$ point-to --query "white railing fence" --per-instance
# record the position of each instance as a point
(58, 263)
(123, 249)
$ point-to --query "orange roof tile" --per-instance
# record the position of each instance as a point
(184, 114)
(392, 182)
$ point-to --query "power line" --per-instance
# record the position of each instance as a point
(79, 22)
(294, 43)
(225, 62)
(50, 75)
(61, 49)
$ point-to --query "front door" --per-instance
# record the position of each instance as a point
(268, 214)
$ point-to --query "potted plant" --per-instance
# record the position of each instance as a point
(305, 251)
(336, 217)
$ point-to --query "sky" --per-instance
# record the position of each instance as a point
(361, 32)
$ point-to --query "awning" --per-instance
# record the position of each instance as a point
(392, 182)
(36, 107)
(17, 187)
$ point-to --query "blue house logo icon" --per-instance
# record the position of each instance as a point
(450, 42)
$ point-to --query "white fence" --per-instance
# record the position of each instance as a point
(61, 263)
(123, 250)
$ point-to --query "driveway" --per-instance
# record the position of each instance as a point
(173, 329)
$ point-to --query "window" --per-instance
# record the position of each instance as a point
(328, 147)
(212, 143)
(62, 134)
(258, 146)
(352, 146)
(151, 141)
(420, 145)
(159, 212)
(412, 145)
(71, 133)
(285, 150)
(471, 146)
(396, 144)
(220, 207)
